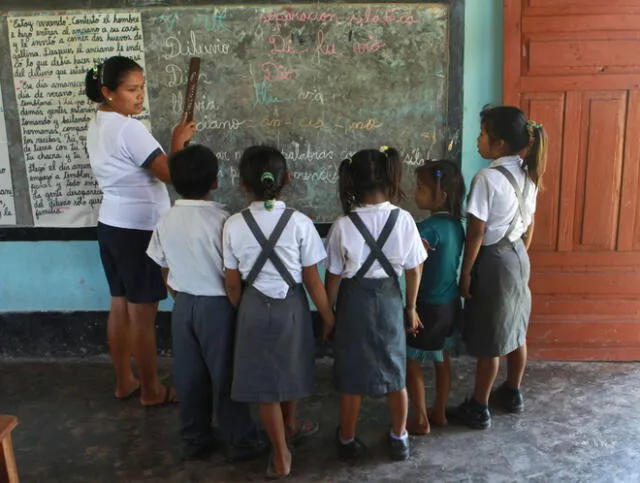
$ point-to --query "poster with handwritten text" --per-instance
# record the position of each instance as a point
(7, 207)
(50, 55)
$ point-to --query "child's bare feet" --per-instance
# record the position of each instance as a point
(418, 428)
(278, 468)
(437, 417)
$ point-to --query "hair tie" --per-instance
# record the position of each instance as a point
(269, 204)
(532, 126)
(267, 175)
(94, 71)
(438, 173)
(384, 148)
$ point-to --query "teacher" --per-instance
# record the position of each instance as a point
(131, 169)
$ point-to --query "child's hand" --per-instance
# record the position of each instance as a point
(414, 324)
(465, 285)
(426, 245)
(327, 328)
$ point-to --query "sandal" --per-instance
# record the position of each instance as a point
(131, 395)
(306, 429)
(169, 399)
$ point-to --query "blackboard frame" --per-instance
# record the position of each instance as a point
(454, 111)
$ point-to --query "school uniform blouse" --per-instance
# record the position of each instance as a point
(120, 148)
(493, 200)
(299, 246)
(188, 241)
(347, 250)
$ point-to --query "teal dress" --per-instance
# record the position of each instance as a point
(439, 283)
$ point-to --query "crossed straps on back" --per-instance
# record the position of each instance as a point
(519, 194)
(268, 246)
(376, 245)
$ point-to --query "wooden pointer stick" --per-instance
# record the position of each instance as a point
(192, 87)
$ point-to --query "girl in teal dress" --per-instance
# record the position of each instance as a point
(440, 190)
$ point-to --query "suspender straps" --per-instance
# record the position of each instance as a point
(519, 194)
(268, 246)
(376, 245)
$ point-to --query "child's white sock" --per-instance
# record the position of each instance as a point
(404, 436)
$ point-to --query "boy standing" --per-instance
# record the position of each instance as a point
(187, 243)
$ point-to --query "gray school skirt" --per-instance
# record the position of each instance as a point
(496, 316)
(370, 338)
(274, 357)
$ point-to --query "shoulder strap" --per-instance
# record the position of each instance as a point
(519, 195)
(376, 245)
(268, 246)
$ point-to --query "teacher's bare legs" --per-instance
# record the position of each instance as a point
(143, 330)
(131, 330)
(120, 346)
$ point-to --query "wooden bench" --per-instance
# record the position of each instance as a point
(8, 468)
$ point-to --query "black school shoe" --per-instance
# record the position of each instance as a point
(198, 452)
(399, 449)
(248, 449)
(507, 399)
(351, 451)
(473, 414)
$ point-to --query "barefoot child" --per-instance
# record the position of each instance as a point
(273, 250)
(187, 243)
(440, 190)
(368, 250)
(495, 270)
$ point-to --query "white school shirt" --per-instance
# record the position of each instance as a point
(120, 148)
(347, 250)
(299, 246)
(493, 200)
(188, 241)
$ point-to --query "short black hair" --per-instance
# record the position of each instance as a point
(193, 171)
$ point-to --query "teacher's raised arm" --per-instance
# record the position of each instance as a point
(131, 169)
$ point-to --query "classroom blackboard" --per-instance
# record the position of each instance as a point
(319, 81)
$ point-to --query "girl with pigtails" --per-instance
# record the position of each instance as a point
(368, 250)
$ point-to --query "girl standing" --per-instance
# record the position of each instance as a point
(495, 270)
(368, 250)
(272, 250)
(131, 169)
(439, 189)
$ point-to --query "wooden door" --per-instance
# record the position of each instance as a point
(574, 65)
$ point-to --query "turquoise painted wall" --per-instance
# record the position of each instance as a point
(67, 276)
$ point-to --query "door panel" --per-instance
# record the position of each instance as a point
(574, 65)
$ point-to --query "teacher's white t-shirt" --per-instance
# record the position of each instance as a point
(120, 149)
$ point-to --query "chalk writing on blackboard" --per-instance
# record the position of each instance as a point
(50, 56)
(7, 204)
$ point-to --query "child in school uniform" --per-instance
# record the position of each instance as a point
(187, 244)
(269, 252)
(439, 189)
(495, 269)
(369, 248)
